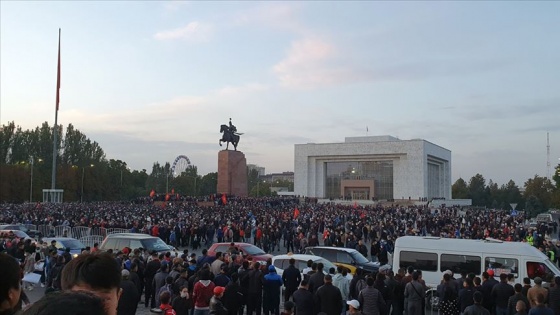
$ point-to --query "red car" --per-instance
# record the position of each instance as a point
(245, 248)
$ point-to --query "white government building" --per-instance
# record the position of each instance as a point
(381, 167)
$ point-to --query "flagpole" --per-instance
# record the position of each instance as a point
(55, 129)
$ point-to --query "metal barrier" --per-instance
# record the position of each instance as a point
(91, 240)
(116, 230)
(80, 231)
(98, 231)
(30, 226)
(45, 229)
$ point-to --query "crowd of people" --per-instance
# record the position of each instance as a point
(232, 284)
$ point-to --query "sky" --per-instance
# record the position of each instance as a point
(152, 80)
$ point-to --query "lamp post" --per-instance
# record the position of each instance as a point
(32, 163)
(83, 175)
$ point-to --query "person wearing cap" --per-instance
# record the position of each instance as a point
(354, 307)
(271, 291)
(328, 298)
(535, 290)
(216, 305)
(476, 308)
(129, 297)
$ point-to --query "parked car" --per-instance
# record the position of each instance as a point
(346, 257)
(245, 248)
(15, 233)
(118, 241)
(32, 233)
(62, 243)
(281, 262)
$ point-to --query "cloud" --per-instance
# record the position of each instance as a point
(194, 31)
(243, 89)
(305, 64)
(275, 15)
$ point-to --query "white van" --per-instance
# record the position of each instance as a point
(435, 255)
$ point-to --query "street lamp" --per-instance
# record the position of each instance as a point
(32, 162)
(83, 175)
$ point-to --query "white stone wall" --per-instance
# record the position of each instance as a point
(409, 158)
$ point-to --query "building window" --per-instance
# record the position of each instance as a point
(419, 260)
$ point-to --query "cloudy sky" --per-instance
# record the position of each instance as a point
(152, 80)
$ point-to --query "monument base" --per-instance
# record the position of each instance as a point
(232, 173)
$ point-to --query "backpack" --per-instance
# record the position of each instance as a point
(360, 285)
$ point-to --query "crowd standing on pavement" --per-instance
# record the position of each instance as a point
(231, 284)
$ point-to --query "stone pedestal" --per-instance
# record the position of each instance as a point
(232, 173)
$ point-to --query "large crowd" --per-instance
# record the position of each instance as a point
(231, 284)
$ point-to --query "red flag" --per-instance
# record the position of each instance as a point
(363, 215)
(355, 204)
(152, 193)
(167, 197)
(58, 74)
(224, 199)
(296, 213)
(173, 191)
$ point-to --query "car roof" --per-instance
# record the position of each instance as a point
(130, 235)
(234, 244)
(48, 239)
(297, 257)
(342, 249)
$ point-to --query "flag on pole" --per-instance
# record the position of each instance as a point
(167, 197)
(58, 74)
(152, 193)
(224, 199)
(355, 204)
(296, 213)
(173, 191)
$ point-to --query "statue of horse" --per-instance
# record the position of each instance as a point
(228, 137)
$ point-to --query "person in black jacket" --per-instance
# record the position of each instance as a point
(317, 279)
(151, 268)
(487, 285)
(518, 296)
(254, 299)
(130, 297)
(328, 298)
(466, 295)
(233, 296)
(291, 278)
(501, 293)
(303, 298)
(182, 304)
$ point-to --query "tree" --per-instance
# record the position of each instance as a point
(541, 188)
(208, 184)
(459, 189)
(477, 185)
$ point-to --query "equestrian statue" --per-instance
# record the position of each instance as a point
(230, 134)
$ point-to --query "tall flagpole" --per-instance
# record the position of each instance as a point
(55, 129)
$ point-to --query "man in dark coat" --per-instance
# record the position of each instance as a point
(317, 279)
(328, 298)
(303, 298)
(501, 293)
(233, 297)
(128, 301)
(151, 268)
(254, 292)
(291, 278)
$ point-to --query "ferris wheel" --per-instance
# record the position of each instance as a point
(180, 165)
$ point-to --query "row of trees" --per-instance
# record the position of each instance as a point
(85, 174)
(538, 194)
